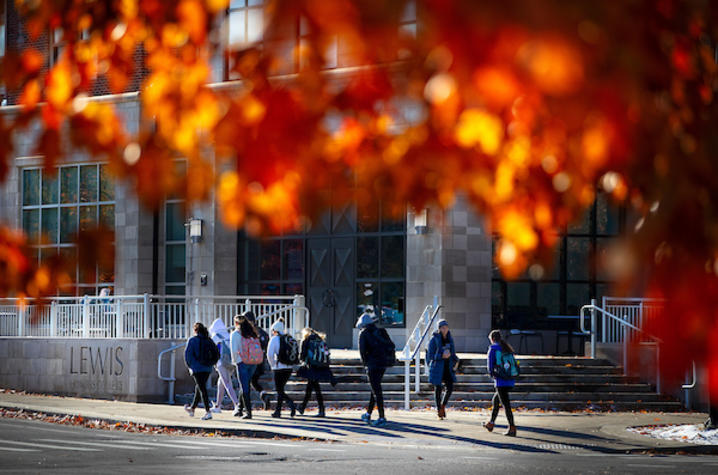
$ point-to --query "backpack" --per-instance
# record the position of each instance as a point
(263, 338)
(225, 352)
(388, 348)
(208, 352)
(506, 366)
(250, 351)
(317, 353)
(288, 350)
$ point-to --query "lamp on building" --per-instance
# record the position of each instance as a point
(195, 229)
(421, 221)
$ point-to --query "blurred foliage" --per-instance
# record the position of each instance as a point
(524, 108)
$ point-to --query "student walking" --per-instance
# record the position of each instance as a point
(220, 335)
(282, 354)
(503, 368)
(377, 353)
(200, 355)
(264, 341)
(246, 355)
(315, 358)
(442, 360)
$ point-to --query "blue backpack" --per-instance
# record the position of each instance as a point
(506, 366)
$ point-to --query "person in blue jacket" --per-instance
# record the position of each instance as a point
(441, 358)
(194, 356)
(503, 386)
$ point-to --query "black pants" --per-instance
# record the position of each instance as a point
(502, 397)
(281, 376)
(377, 395)
(448, 382)
(200, 389)
(313, 385)
(255, 378)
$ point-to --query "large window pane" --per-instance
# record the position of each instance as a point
(293, 289)
(582, 225)
(367, 257)
(68, 185)
(47, 254)
(548, 299)
(68, 224)
(175, 263)
(367, 298)
(30, 187)
(577, 295)
(518, 302)
(367, 217)
(88, 218)
(269, 289)
(107, 186)
(88, 183)
(577, 258)
(392, 222)
(392, 303)
(49, 225)
(106, 272)
(270, 260)
(69, 255)
(31, 224)
(237, 27)
(607, 217)
(175, 222)
(49, 188)
(255, 25)
(107, 216)
(88, 274)
(293, 259)
(392, 256)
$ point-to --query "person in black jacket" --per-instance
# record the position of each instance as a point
(375, 347)
(313, 373)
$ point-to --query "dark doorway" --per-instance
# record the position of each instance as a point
(331, 288)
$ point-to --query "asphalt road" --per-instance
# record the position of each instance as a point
(39, 447)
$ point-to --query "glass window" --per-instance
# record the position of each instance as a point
(270, 289)
(107, 187)
(392, 222)
(88, 183)
(577, 258)
(497, 304)
(392, 304)
(107, 216)
(577, 295)
(245, 22)
(607, 217)
(367, 298)
(68, 224)
(293, 259)
(49, 225)
(88, 217)
(367, 257)
(88, 274)
(270, 260)
(31, 187)
(175, 263)
(31, 224)
(49, 188)
(518, 298)
(581, 226)
(68, 185)
(293, 289)
(175, 290)
(548, 299)
(106, 270)
(392, 256)
(175, 229)
(367, 218)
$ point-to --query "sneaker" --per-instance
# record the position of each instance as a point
(266, 399)
(276, 415)
(293, 412)
(300, 409)
(246, 416)
(207, 416)
(366, 417)
(216, 409)
(381, 422)
(189, 410)
(237, 411)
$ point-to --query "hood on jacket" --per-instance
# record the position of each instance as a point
(218, 330)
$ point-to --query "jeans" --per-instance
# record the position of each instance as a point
(313, 385)
(281, 376)
(502, 396)
(244, 374)
(448, 382)
(377, 395)
(200, 389)
(224, 382)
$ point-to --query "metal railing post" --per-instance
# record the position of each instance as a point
(119, 320)
(417, 372)
(53, 318)
(148, 315)
(172, 381)
(21, 320)
(625, 349)
(407, 379)
(593, 328)
(196, 311)
(85, 317)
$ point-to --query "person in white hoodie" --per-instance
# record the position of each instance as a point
(282, 371)
(220, 335)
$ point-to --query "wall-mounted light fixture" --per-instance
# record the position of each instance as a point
(195, 229)
(421, 221)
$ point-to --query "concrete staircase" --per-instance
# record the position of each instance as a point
(549, 383)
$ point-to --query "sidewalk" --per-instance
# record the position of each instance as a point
(537, 432)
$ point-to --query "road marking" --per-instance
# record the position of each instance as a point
(49, 446)
(95, 444)
(17, 449)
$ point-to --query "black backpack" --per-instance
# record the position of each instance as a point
(263, 339)
(208, 352)
(388, 347)
(317, 353)
(288, 350)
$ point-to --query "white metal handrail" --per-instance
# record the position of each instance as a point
(170, 379)
(417, 338)
(625, 337)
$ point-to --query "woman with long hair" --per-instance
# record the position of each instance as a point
(314, 355)
(442, 359)
(198, 357)
(502, 382)
(247, 354)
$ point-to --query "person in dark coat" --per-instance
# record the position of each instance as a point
(441, 358)
(375, 346)
(193, 357)
(312, 373)
(503, 386)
